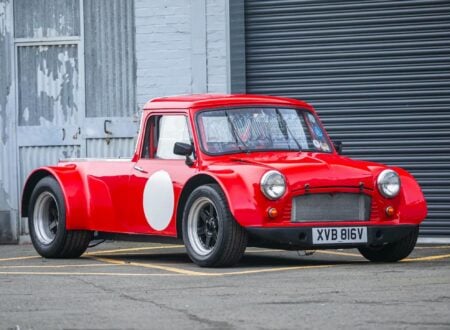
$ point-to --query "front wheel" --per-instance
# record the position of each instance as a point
(392, 252)
(47, 223)
(211, 235)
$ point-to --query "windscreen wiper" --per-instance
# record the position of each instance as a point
(287, 129)
(236, 135)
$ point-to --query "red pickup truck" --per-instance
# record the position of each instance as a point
(223, 172)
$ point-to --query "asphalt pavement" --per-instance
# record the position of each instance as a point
(152, 286)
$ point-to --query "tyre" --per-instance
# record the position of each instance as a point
(392, 252)
(47, 223)
(211, 235)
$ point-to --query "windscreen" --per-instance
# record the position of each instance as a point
(261, 129)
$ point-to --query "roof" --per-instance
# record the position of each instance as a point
(220, 100)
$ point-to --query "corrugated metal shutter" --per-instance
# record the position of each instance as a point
(110, 80)
(109, 58)
(378, 72)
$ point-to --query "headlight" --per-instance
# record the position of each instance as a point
(388, 183)
(273, 184)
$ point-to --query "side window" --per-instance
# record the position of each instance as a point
(161, 134)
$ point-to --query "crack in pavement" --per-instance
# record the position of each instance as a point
(193, 317)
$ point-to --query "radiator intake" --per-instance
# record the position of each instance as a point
(331, 207)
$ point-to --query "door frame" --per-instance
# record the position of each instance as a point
(58, 135)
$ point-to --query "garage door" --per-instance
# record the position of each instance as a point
(378, 72)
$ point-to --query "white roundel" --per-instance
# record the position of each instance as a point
(158, 200)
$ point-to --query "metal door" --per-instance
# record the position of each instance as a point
(75, 80)
(49, 84)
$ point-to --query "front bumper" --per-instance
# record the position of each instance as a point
(300, 238)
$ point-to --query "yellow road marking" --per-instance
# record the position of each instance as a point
(168, 247)
(267, 270)
(20, 258)
(103, 251)
(134, 249)
(153, 266)
(195, 273)
(57, 266)
(265, 250)
(85, 274)
(429, 258)
(432, 247)
(96, 255)
(347, 254)
(130, 254)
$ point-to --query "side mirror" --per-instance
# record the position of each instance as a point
(338, 147)
(184, 149)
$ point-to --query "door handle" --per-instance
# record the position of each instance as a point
(140, 169)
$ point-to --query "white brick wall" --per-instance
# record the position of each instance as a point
(164, 47)
(216, 41)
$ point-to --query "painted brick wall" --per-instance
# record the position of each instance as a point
(164, 47)
(216, 45)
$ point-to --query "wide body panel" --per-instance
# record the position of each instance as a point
(141, 196)
(113, 193)
(109, 196)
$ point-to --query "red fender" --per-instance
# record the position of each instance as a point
(72, 186)
(244, 199)
(413, 206)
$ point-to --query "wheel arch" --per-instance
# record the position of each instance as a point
(413, 206)
(30, 183)
(189, 187)
(238, 193)
(69, 180)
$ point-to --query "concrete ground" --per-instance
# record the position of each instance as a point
(153, 286)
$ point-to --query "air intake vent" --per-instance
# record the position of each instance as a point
(331, 207)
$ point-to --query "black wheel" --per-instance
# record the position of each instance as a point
(392, 252)
(47, 223)
(211, 235)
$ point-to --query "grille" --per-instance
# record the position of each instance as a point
(331, 207)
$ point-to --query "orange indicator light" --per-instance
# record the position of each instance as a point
(272, 212)
(390, 211)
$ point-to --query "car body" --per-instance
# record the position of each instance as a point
(222, 172)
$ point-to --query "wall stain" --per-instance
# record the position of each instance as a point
(4, 198)
(5, 69)
(42, 19)
(48, 85)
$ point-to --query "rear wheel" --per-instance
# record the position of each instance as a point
(211, 235)
(392, 252)
(47, 223)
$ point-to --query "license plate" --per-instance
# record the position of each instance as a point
(339, 235)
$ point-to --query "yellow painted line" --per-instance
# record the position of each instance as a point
(56, 266)
(265, 251)
(267, 270)
(432, 247)
(129, 254)
(347, 254)
(429, 258)
(20, 258)
(143, 253)
(153, 266)
(134, 249)
(84, 274)
(195, 273)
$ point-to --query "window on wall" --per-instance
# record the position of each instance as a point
(162, 133)
(47, 38)
(39, 19)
